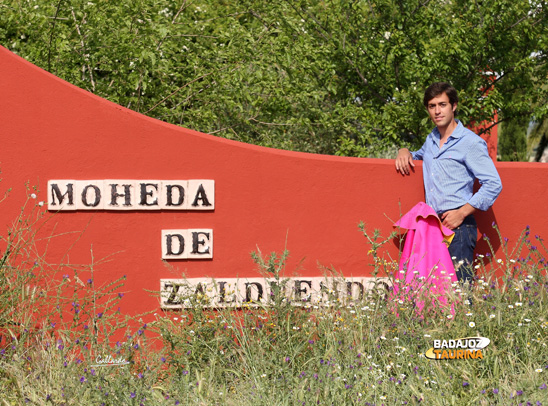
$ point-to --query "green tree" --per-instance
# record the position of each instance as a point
(334, 76)
(513, 140)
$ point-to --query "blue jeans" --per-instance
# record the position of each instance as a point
(462, 248)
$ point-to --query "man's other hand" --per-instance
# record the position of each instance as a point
(404, 162)
(452, 219)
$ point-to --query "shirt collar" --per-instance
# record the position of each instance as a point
(457, 132)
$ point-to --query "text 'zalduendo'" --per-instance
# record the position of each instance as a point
(70, 195)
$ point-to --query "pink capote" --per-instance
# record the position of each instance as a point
(425, 254)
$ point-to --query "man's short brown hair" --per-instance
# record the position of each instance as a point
(436, 89)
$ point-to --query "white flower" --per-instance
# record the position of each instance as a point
(382, 397)
(492, 316)
(472, 324)
(449, 316)
(527, 320)
(263, 376)
(427, 335)
(519, 324)
(40, 204)
(469, 314)
(499, 261)
(510, 306)
(33, 196)
(539, 370)
(477, 267)
(519, 304)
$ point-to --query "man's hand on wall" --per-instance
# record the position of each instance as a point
(404, 162)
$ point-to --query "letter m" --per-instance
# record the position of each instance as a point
(61, 195)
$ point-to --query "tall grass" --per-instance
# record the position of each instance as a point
(340, 353)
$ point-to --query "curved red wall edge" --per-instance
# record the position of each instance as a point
(264, 198)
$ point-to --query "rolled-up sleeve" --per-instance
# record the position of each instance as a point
(482, 167)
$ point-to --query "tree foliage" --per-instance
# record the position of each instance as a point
(334, 76)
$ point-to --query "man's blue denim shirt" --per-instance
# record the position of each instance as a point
(449, 172)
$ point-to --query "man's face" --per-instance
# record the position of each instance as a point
(442, 113)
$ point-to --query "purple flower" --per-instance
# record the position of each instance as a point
(310, 341)
(465, 384)
(90, 281)
(82, 379)
(543, 386)
(120, 294)
(136, 346)
(519, 393)
(163, 359)
(495, 391)
(132, 395)
(99, 315)
(140, 376)
(185, 372)
(287, 359)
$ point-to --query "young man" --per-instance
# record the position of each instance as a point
(453, 157)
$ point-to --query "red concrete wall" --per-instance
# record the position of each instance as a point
(265, 198)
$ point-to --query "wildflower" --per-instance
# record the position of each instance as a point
(465, 384)
(82, 379)
(543, 386)
(519, 304)
(287, 359)
(510, 306)
(469, 314)
(539, 370)
(472, 324)
(495, 391)
(33, 196)
(263, 376)
(492, 316)
(132, 395)
(449, 316)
